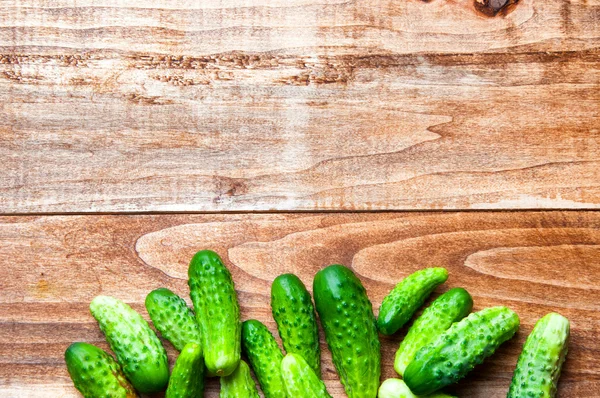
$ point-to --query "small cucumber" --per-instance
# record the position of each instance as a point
(405, 299)
(455, 352)
(187, 378)
(296, 320)
(540, 363)
(350, 330)
(239, 384)
(217, 312)
(95, 373)
(172, 318)
(396, 388)
(264, 356)
(300, 379)
(450, 307)
(138, 350)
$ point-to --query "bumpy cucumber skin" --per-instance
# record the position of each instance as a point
(350, 330)
(396, 388)
(265, 357)
(95, 373)
(239, 384)
(540, 362)
(187, 378)
(459, 349)
(172, 318)
(448, 308)
(296, 320)
(405, 299)
(217, 312)
(300, 379)
(138, 350)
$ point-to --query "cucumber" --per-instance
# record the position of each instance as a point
(540, 363)
(138, 350)
(450, 307)
(455, 352)
(264, 356)
(405, 299)
(296, 320)
(350, 330)
(396, 388)
(217, 312)
(187, 378)
(172, 318)
(300, 379)
(95, 373)
(239, 384)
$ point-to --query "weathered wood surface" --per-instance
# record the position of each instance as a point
(533, 262)
(297, 104)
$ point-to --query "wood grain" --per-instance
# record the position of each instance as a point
(533, 262)
(298, 105)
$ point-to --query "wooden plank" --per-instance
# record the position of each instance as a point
(297, 105)
(533, 262)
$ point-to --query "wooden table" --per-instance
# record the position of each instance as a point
(287, 135)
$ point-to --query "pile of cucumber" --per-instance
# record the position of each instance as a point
(443, 344)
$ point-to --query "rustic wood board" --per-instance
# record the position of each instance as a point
(217, 105)
(533, 262)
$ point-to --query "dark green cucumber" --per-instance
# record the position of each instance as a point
(350, 330)
(187, 378)
(296, 320)
(405, 299)
(217, 312)
(239, 384)
(95, 373)
(138, 350)
(450, 307)
(540, 363)
(264, 356)
(300, 379)
(396, 388)
(172, 318)
(459, 349)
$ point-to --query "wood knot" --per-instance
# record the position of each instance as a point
(491, 8)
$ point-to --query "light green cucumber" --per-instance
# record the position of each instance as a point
(217, 312)
(187, 378)
(350, 330)
(265, 357)
(396, 388)
(405, 299)
(239, 384)
(296, 320)
(138, 350)
(172, 318)
(448, 308)
(300, 379)
(459, 349)
(95, 373)
(540, 363)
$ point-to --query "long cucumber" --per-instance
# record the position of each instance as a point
(265, 357)
(350, 330)
(405, 299)
(450, 307)
(296, 320)
(138, 350)
(95, 373)
(458, 350)
(300, 379)
(217, 312)
(187, 379)
(172, 318)
(540, 362)
(239, 384)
